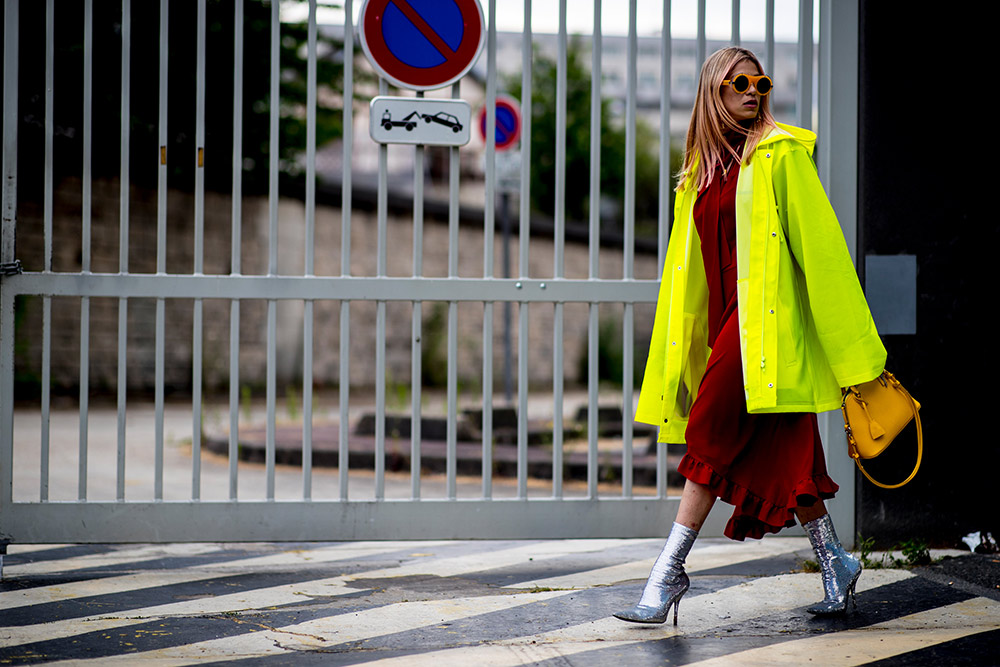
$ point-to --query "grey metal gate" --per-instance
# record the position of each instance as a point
(155, 518)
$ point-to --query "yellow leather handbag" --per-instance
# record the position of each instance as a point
(874, 414)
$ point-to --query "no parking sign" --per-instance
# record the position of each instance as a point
(422, 44)
(508, 122)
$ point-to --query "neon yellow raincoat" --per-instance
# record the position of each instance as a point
(805, 327)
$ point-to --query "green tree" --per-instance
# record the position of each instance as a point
(144, 92)
(578, 114)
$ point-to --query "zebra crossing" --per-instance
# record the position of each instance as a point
(445, 603)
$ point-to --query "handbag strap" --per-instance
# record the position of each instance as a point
(920, 440)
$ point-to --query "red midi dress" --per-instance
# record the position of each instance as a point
(764, 464)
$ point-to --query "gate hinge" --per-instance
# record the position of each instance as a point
(11, 268)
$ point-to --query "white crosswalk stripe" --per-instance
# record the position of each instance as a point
(538, 633)
(875, 642)
(700, 559)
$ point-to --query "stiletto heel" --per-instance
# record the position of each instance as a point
(840, 570)
(658, 613)
(667, 581)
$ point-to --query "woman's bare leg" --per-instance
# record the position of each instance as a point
(696, 502)
(811, 513)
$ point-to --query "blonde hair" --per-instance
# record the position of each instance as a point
(706, 138)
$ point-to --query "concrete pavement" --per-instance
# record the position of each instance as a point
(537, 602)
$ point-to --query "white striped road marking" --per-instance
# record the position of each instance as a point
(701, 614)
(233, 602)
(707, 557)
(105, 586)
(859, 646)
(141, 580)
(464, 564)
(727, 606)
(331, 553)
(482, 561)
(494, 655)
(328, 631)
(31, 548)
(140, 554)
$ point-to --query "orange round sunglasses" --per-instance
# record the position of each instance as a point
(741, 83)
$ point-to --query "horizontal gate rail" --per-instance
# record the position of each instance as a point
(335, 288)
(296, 521)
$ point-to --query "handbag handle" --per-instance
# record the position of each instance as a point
(920, 441)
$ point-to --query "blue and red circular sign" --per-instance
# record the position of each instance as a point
(508, 129)
(422, 44)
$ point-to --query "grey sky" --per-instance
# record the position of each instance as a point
(580, 17)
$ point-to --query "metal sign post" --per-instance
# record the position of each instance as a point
(508, 179)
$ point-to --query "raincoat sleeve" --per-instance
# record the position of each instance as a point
(828, 282)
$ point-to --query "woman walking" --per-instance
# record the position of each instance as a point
(760, 320)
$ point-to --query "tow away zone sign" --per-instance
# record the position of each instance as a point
(419, 120)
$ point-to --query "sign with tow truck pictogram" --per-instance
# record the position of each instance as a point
(419, 120)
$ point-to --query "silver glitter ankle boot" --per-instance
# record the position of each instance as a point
(667, 581)
(839, 568)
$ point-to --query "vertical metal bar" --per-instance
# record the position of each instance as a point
(84, 396)
(664, 212)
(769, 35)
(7, 324)
(735, 31)
(345, 251)
(700, 43)
(43, 491)
(558, 268)
(524, 236)
(381, 263)
(628, 267)
(274, 101)
(593, 321)
(123, 244)
(451, 451)
(628, 407)
(199, 253)
(488, 235)
(661, 470)
(803, 106)
(271, 388)
(416, 375)
(234, 390)
(88, 86)
(344, 389)
(161, 255)
(235, 250)
(838, 170)
(10, 117)
(88, 96)
(307, 325)
(8, 207)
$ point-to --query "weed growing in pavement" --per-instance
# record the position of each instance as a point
(914, 551)
(808, 565)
